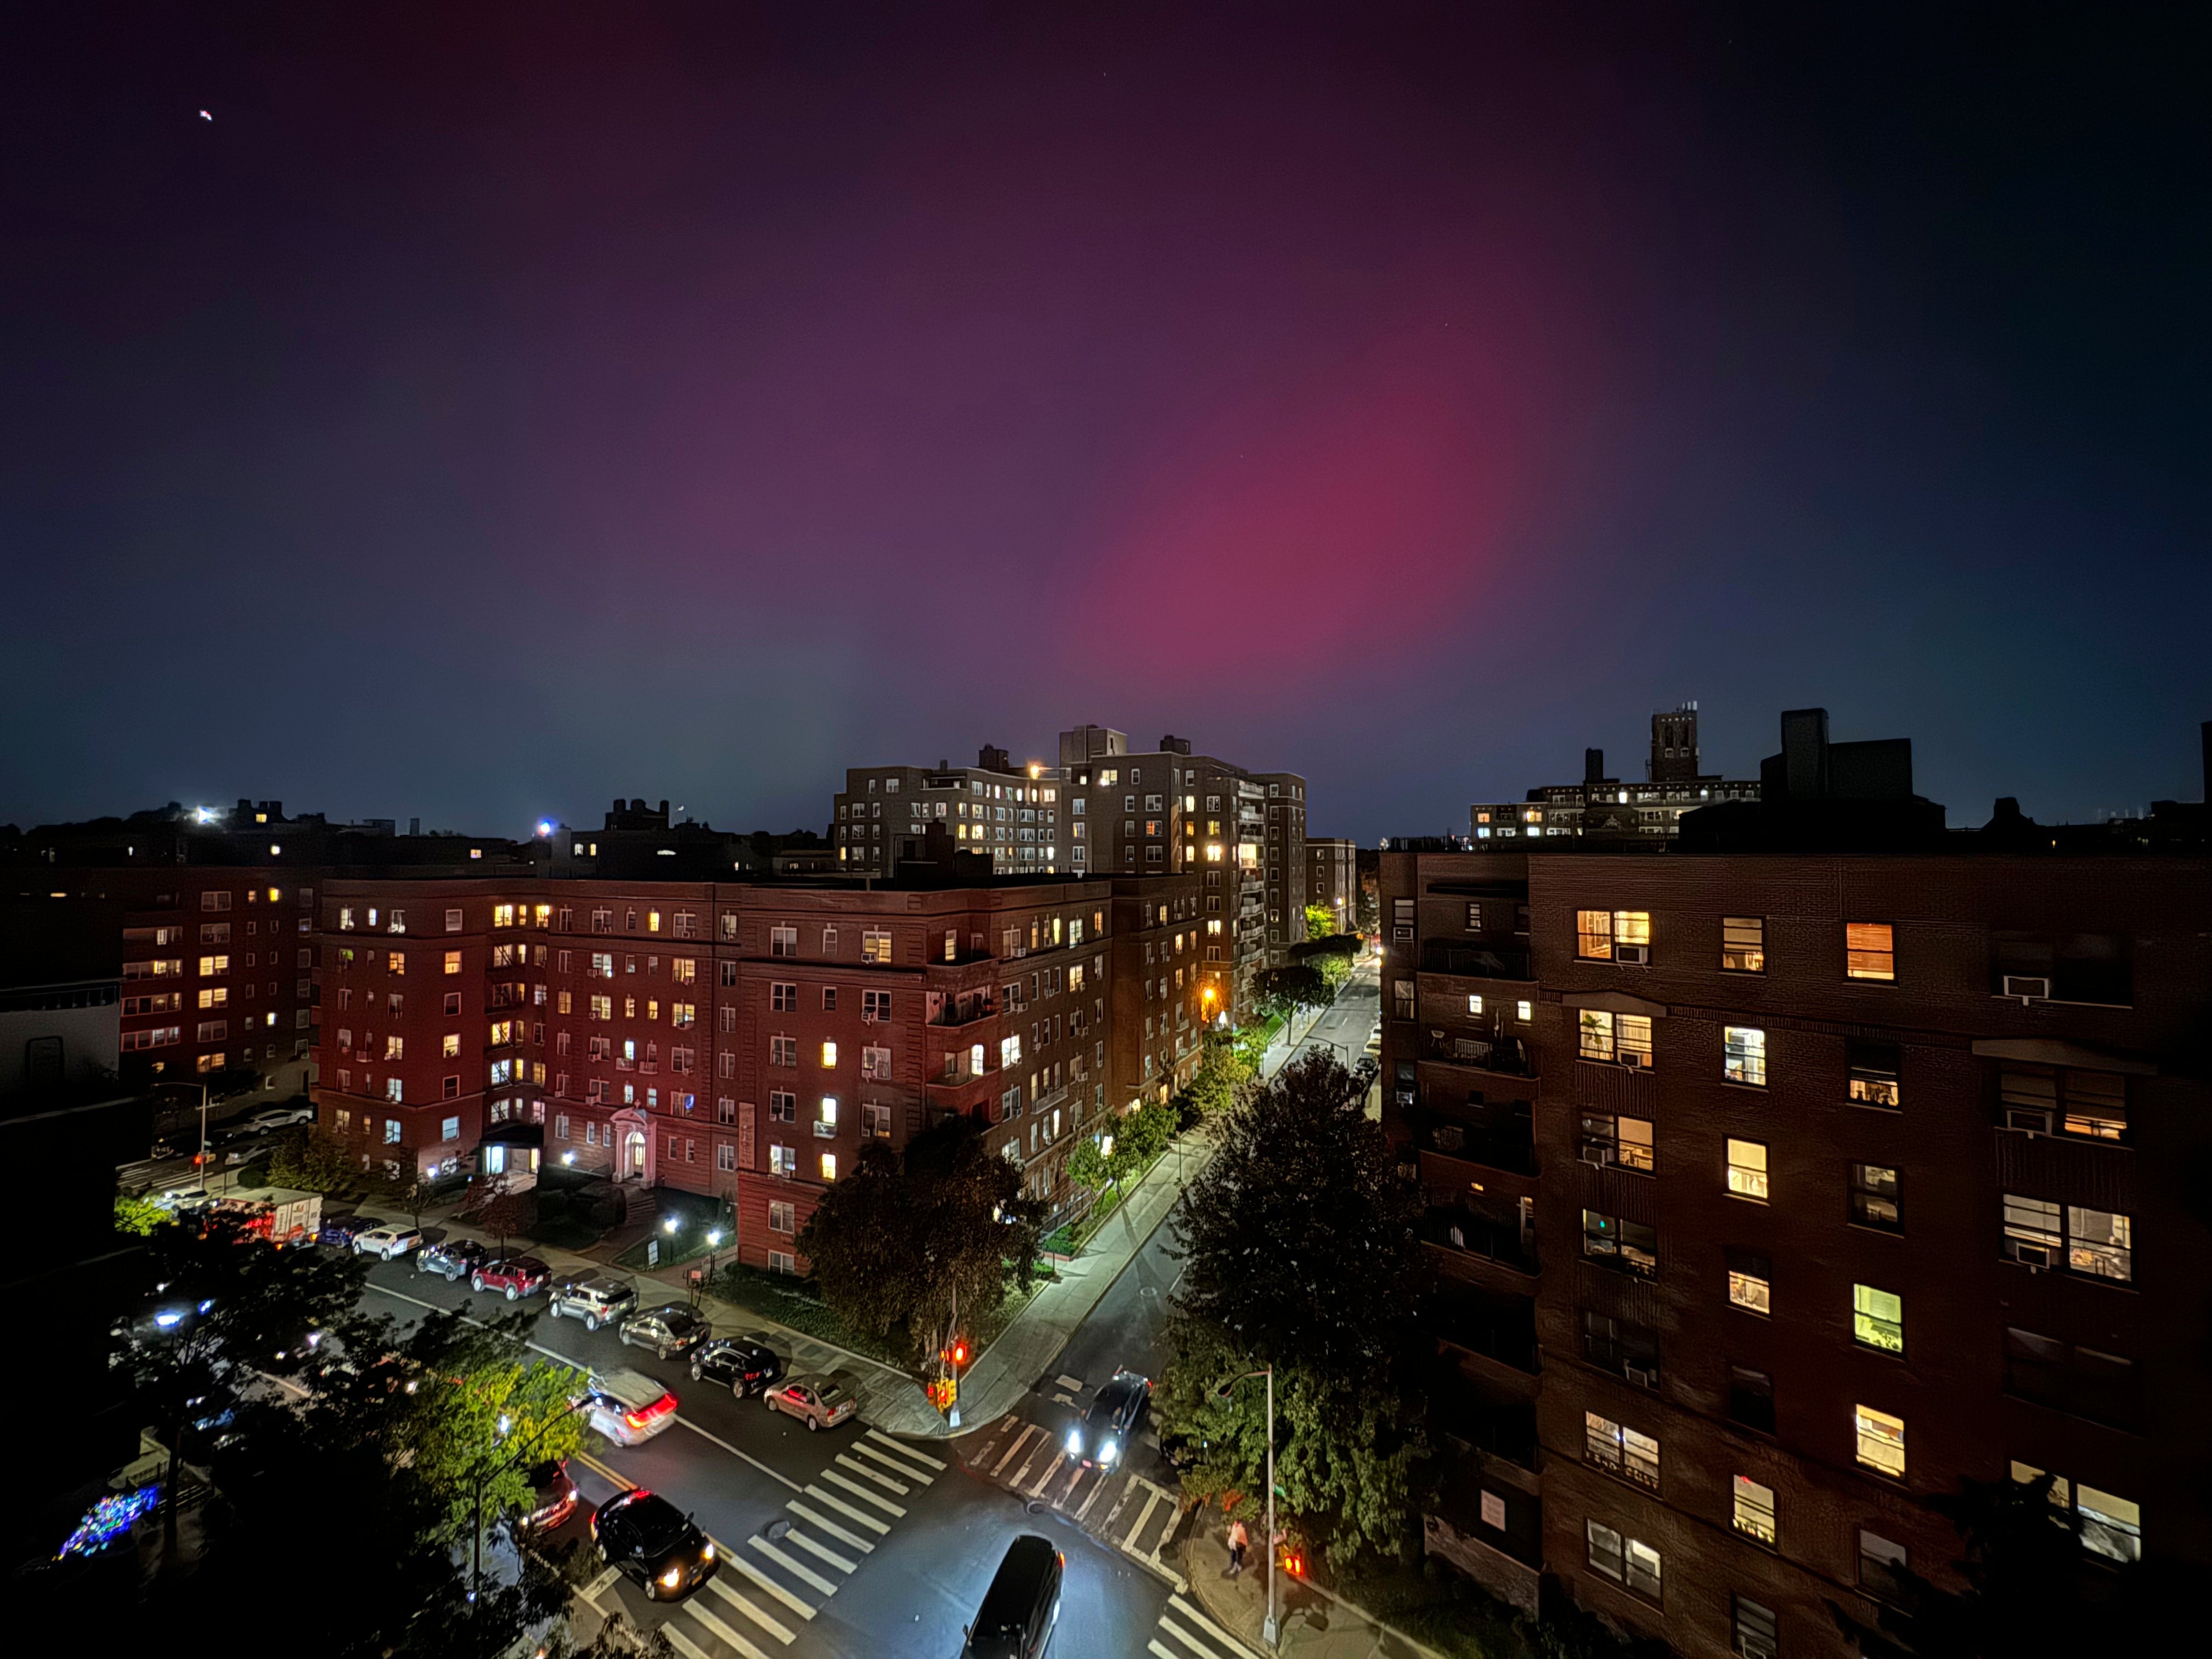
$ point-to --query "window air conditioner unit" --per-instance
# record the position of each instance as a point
(1633, 1058)
(1645, 1376)
(1638, 954)
(2027, 1120)
(1594, 1156)
(2033, 1256)
(2027, 987)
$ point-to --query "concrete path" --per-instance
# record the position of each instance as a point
(1314, 1623)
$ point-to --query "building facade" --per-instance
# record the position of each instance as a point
(1776, 1194)
(1013, 813)
(741, 1041)
(1607, 808)
(1333, 880)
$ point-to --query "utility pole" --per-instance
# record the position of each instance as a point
(1270, 1632)
(204, 1132)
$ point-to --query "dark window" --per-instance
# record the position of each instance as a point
(2053, 1100)
(1873, 1074)
(1877, 1200)
(1628, 1245)
(1751, 1399)
(2073, 966)
(1757, 1635)
(2069, 1377)
(1627, 1350)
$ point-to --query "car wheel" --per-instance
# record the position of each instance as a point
(510, 1291)
(475, 1281)
(768, 1401)
(813, 1423)
(552, 1310)
(736, 1389)
(421, 1266)
(592, 1324)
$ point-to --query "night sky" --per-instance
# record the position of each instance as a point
(484, 415)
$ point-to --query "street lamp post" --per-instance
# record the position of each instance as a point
(1270, 1630)
(483, 1479)
(204, 1132)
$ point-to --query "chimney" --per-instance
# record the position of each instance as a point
(1172, 744)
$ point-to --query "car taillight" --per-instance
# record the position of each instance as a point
(658, 1409)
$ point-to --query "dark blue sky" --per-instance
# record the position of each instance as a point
(485, 416)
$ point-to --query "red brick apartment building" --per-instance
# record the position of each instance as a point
(743, 1041)
(1778, 1193)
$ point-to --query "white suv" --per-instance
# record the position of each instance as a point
(389, 1242)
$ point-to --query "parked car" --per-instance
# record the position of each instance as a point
(597, 1302)
(454, 1258)
(748, 1366)
(648, 1539)
(1021, 1609)
(171, 1311)
(243, 1151)
(516, 1275)
(390, 1241)
(670, 1328)
(280, 1117)
(627, 1406)
(555, 1499)
(822, 1402)
(344, 1229)
(1102, 1434)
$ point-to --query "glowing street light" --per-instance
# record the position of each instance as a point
(669, 1225)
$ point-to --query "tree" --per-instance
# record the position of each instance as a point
(491, 1206)
(1223, 1075)
(1299, 1252)
(412, 1194)
(1087, 1164)
(894, 1248)
(1320, 921)
(312, 1160)
(1281, 990)
(138, 1215)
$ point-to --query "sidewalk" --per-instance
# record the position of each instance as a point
(1316, 1625)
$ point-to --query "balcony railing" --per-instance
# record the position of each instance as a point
(1460, 1229)
(1474, 961)
(954, 1018)
(824, 1131)
(1507, 1056)
(1512, 1150)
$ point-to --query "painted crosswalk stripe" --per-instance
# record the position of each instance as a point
(1045, 1480)
(843, 1508)
(1097, 1487)
(915, 1453)
(831, 1527)
(1128, 1490)
(1154, 1647)
(1073, 1385)
(796, 1568)
(769, 1584)
(1129, 1538)
(687, 1647)
(722, 1631)
(815, 1549)
(1186, 1638)
(897, 1466)
(876, 1475)
(767, 1622)
(861, 1491)
(1014, 1450)
(1183, 1606)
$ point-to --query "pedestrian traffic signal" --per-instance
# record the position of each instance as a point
(955, 1353)
(1294, 1563)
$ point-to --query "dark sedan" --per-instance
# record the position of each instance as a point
(451, 1259)
(553, 1498)
(342, 1229)
(1103, 1434)
(670, 1329)
(649, 1539)
(746, 1365)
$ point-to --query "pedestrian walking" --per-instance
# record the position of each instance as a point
(1239, 1541)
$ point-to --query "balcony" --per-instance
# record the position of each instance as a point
(1509, 1147)
(1454, 1228)
(1474, 961)
(1504, 1056)
(1497, 1327)
(953, 1017)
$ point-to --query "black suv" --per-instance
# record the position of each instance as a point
(1103, 1434)
(748, 1366)
(648, 1539)
(454, 1258)
(1022, 1607)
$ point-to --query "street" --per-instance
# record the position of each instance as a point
(853, 1542)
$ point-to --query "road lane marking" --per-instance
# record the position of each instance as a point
(815, 1549)
(1014, 1449)
(876, 1475)
(1206, 1623)
(775, 1627)
(1186, 1638)
(734, 1452)
(1073, 1385)
(831, 1526)
(845, 1509)
(915, 1452)
(1045, 1480)
(1128, 1490)
(893, 1465)
(691, 1650)
(797, 1569)
(1129, 1538)
(1030, 1461)
(1097, 1487)
(722, 1631)
(768, 1584)
(861, 1491)
(1154, 1647)
(605, 1472)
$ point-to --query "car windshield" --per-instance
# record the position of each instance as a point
(659, 1523)
(829, 1395)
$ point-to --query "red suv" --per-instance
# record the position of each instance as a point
(516, 1275)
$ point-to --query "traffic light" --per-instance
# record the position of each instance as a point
(1294, 1561)
(955, 1353)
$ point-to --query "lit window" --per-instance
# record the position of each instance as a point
(829, 1166)
(1746, 1170)
(1620, 1450)
(451, 1048)
(1474, 1001)
(1755, 1510)
(1524, 1011)
(1880, 1440)
(1597, 1028)
(1868, 952)
(1874, 1068)
(1878, 1319)
(1750, 1281)
(1875, 1198)
(2100, 1242)
(2111, 1525)
(1743, 944)
(1743, 1058)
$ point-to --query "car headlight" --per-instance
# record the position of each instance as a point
(1075, 1443)
(1107, 1452)
(671, 1579)
(707, 1553)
